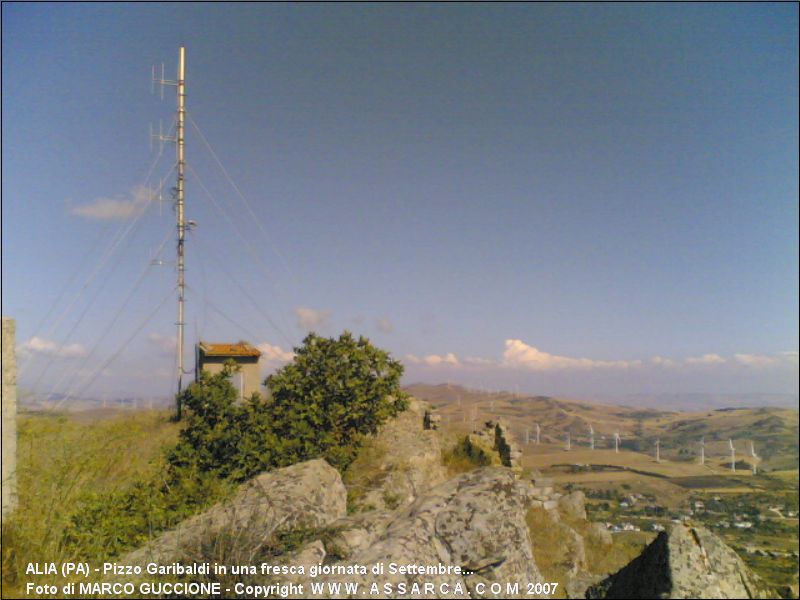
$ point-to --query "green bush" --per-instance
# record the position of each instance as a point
(464, 456)
(332, 394)
(110, 523)
(321, 405)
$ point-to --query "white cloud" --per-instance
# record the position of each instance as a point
(434, 360)
(165, 343)
(519, 354)
(37, 345)
(105, 209)
(385, 325)
(309, 318)
(660, 361)
(756, 360)
(274, 355)
(706, 359)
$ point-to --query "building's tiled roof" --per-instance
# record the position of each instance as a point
(240, 349)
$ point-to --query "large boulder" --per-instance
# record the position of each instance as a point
(686, 562)
(475, 521)
(308, 495)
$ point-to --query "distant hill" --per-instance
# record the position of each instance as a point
(773, 431)
(698, 402)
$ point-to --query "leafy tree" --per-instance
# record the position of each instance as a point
(321, 404)
(222, 436)
(334, 392)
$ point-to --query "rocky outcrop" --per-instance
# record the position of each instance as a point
(475, 521)
(686, 562)
(412, 462)
(309, 494)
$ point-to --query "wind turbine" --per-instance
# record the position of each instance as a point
(538, 431)
(658, 450)
(733, 455)
(591, 437)
(703, 450)
(569, 442)
(616, 442)
(754, 456)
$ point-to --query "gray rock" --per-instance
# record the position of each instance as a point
(573, 505)
(412, 463)
(475, 521)
(309, 494)
(686, 562)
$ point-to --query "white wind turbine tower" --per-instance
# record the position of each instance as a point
(591, 437)
(754, 456)
(569, 442)
(538, 431)
(733, 455)
(703, 450)
(616, 442)
(658, 450)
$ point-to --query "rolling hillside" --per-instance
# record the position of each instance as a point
(773, 431)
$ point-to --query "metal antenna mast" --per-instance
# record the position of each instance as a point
(180, 84)
(181, 223)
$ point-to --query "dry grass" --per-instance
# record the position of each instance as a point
(60, 460)
(364, 473)
(555, 554)
(550, 548)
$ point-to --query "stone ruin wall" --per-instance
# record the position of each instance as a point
(9, 430)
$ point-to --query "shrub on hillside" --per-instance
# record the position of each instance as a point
(320, 405)
(332, 394)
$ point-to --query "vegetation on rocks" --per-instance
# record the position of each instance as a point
(322, 405)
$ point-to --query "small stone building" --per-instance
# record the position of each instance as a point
(211, 358)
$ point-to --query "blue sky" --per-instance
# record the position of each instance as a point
(569, 199)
